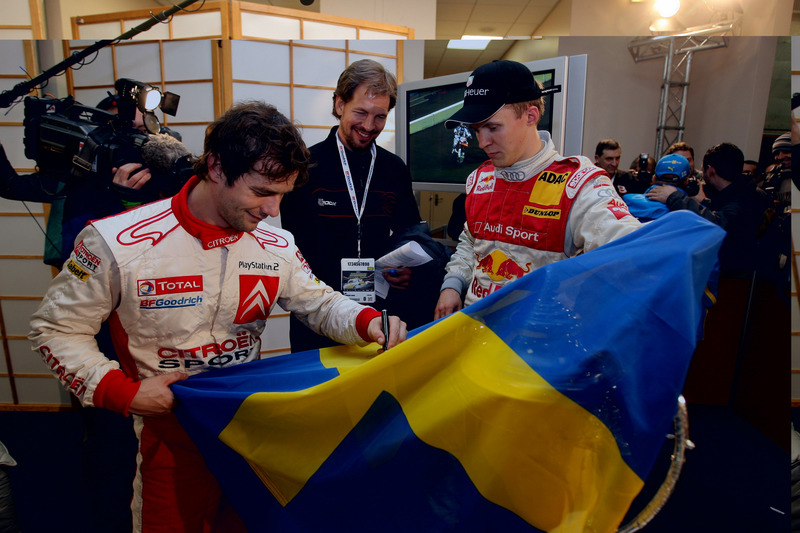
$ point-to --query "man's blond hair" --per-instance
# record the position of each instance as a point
(521, 107)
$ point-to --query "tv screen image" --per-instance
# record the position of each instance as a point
(440, 155)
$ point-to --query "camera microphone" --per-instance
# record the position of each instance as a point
(161, 151)
(170, 162)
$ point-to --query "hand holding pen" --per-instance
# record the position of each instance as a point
(387, 330)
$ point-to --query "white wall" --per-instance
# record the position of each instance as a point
(729, 95)
(622, 96)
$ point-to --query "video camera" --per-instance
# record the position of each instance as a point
(777, 185)
(692, 187)
(71, 141)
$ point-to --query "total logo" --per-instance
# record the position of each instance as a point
(499, 267)
(174, 285)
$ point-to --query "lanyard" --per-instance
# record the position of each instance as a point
(348, 178)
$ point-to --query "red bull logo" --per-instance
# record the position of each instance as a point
(499, 267)
(484, 183)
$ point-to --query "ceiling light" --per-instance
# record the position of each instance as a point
(667, 8)
(471, 42)
(664, 26)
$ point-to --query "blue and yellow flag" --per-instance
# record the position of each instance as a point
(540, 408)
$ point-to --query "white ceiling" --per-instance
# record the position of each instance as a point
(454, 18)
(508, 18)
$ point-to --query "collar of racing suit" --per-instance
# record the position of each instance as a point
(532, 166)
(210, 235)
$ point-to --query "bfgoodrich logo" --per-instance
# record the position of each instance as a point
(256, 294)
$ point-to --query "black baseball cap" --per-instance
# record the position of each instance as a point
(490, 87)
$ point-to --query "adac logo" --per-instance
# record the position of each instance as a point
(256, 294)
(499, 267)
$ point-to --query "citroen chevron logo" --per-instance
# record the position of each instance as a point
(256, 294)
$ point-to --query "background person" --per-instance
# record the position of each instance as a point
(607, 155)
(358, 203)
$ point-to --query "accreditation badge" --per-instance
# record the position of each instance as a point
(358, 279)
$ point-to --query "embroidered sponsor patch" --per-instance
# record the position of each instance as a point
(538, 212)
(174, 285)
(212, 355)
(548, 188)
(484, 183)
(577, 179)
(497, 266)
(75, 269)
(259, 265)
(170, 303)
(604, 190)
(221, 241)
(618, 208)
(303, 263)
(85, 258)
(511, 175)
(256, 294)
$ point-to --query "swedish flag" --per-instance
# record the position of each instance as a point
(540, 408)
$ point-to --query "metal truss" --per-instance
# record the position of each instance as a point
(677, 51)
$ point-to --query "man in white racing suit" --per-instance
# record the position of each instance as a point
(187, 284)
(527, 206)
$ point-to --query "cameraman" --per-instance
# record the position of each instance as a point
(110, 175)
(777, 182)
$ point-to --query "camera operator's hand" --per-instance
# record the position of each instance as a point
(130, 175)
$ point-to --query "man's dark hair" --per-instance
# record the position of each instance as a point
(379, 82)
(605, 144)
(727, 160)
(253, 135)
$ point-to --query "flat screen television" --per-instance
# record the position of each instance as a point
(441, 159)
